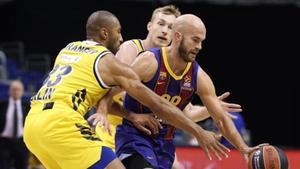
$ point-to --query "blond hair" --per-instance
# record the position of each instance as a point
(167, 10)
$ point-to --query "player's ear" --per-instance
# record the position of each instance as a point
(104, 33)
(178, 36)
(149, 26)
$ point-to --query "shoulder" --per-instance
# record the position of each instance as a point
(127, 52)
(146, 61)
(134, 45)
(145, 65)
(106, 58)
(147, 55)
(138, 43)
(128, 44)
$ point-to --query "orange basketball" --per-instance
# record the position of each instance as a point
(268, 157)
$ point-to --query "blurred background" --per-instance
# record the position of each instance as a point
(251, 50)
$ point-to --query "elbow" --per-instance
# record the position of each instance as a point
(131, 84)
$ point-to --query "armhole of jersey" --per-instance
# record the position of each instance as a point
(138, 45)
(197, 67)
(96, 73)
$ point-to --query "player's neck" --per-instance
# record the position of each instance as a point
(176, 63)
(148, 44)
(96, 40)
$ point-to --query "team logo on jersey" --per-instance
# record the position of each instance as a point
(162, 75)
(187, 83)
(187, 79)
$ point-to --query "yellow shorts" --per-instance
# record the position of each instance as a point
(61, 138)
(109, 140)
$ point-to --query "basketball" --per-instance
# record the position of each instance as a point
(268, 157)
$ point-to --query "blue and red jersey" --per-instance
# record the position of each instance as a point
(158, 150)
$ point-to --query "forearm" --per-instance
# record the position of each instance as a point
(177, 119)
(103, 105)
(223, 122)
(118, 110)
(197, 113)
(229, 131)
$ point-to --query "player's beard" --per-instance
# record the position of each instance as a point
(183, 53)
(113, 45)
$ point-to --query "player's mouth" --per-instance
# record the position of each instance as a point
(162, 38)
(194, 53)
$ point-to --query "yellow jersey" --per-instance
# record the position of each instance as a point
(74, 81)
(55, 125)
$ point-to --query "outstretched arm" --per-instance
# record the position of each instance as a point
(196, 112)
(199, 113)
(206, 91)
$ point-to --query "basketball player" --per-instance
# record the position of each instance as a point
(55, 130)
(159, 34)
(172, 73)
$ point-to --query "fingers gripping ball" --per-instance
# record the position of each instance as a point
(268, 157)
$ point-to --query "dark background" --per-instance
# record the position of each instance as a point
(250, 50)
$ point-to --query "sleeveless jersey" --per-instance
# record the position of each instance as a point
(158, 150)
(178, 90)
(74, 81)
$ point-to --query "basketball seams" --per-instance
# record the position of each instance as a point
(271, 157)
(264, 156)
(276, 157)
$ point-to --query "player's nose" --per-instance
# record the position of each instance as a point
(121, 39)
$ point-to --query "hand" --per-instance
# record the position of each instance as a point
(218, 136)
(101, 120)
(229, 107)
(145, 122)
(246, 151)
(209, 143)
